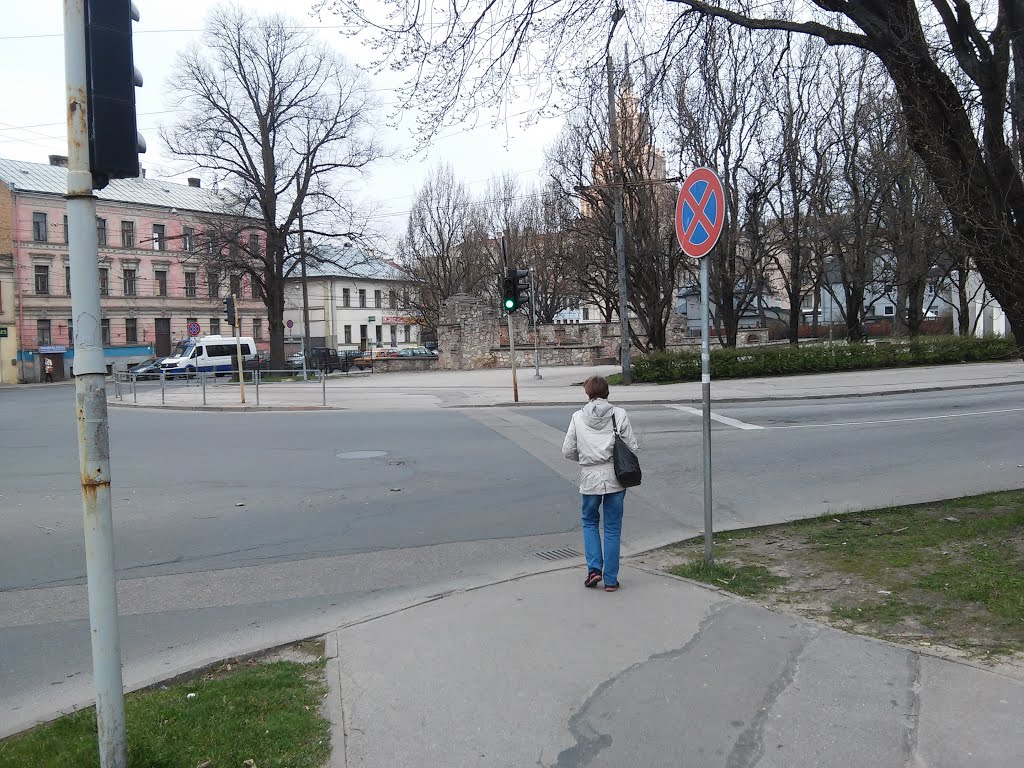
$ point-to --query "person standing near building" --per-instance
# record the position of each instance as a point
(590, 441)
(48, 368)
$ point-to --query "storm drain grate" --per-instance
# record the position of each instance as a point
(557, 554)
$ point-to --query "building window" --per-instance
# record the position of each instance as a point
(254, 287)
(161, 282)
(131, 331)
(236, 285)
(363, 334)
(213, 283)
(129, 282)
(43, 338)
(407, 333)
(105, 330)
(378, 299)
(346, 297)
(127, 234)
(586, 313)
(67, 280)
(188, 237)
(392, 298)
(257, 329)
(405, 297)
(889, 310)
(65, 229)
(380, 334)
(190, 285)
(348, 334)
(71, 332)
(159, 237)
(42, 280)
(254, 245)
(101, 232)
(104, 282)
(39, 231)
(215, 326)
(362, 297)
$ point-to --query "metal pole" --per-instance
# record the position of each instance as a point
(305, 286)
(536, 341)
(204, 388)
(256, 381)
(512, 356)
(91, 399)
(618, 189)
(705, 389)
(163, 400)
(323, 386)
(238, 347)
(135, 389)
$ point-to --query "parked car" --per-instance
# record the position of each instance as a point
(147, 369)
(260, 362)
(348, 357)
(296, 360)
(324, 359)
(416, 352)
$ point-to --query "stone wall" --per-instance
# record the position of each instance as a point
(384, 364)
(474, 334)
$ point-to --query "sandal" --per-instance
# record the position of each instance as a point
(592, 578)
(611, 587)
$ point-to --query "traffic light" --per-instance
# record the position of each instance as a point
(111, 80)
(229, 309)
(508, 293)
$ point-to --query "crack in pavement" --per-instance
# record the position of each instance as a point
(749, 747)
(590, 743)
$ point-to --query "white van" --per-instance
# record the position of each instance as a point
(214, 354)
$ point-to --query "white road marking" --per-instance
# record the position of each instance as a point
(895, 421)
(716, 417)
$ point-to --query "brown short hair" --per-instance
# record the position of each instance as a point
(596, 387)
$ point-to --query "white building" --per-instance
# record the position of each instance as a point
(370, 301)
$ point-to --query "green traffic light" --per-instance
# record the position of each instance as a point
(509, 304)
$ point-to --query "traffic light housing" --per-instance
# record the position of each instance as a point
(229, 310)
(111, 80)
(508, 294)
(515, 289)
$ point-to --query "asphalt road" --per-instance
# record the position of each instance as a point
(239, 530)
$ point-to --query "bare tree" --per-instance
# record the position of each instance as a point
(444, 247)
(472, 55)
(274, 116)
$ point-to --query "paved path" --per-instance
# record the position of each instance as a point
(435, 389)
(542, 672)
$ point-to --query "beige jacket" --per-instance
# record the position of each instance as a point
(590, 440)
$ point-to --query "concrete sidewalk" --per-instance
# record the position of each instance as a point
(440, 389)
(542, 672)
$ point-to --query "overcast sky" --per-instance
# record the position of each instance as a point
(32, 101)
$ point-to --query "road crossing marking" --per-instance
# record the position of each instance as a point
(716, 417)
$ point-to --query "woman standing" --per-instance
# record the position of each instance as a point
(590, 441)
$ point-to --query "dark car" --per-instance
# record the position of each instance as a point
(259, 362)
(324, 359)
(347, 358)
(147, 369)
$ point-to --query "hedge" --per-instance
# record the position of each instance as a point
(666, 367)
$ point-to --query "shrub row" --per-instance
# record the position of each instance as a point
(665, 367)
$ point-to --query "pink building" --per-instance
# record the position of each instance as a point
(152, 279)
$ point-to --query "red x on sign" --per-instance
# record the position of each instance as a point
(700, 212)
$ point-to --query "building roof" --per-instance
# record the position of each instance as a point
(353, 264)
(161, 193)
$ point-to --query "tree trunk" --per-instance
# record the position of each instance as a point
(963, 303)
(898, 325)
(915, 308)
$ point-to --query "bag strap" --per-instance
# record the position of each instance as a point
(615, 427)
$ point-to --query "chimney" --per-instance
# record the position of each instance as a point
(193, 181)
(59, 161)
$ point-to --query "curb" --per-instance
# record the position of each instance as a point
(227, 408)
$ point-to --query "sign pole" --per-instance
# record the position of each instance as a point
(512, 354)
(536, 340)
(238, 345)
(705, 391)
(91, 397)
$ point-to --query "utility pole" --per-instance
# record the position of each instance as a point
(618, 190)
(91, 399)
(305, 286)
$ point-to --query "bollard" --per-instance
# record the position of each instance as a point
(204, 388)
(117, 385)
(256, 381)
(323, 387)
(135, 388)
(163, 400)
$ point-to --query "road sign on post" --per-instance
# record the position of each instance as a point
(193, 329)
(700, 216)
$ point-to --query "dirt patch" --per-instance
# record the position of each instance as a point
(946, 576)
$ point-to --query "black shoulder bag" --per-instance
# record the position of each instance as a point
(627, 465)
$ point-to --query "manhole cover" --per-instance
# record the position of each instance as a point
(557, 554)
(361, 454)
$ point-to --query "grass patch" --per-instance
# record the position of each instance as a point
(268, 713)
(746, 580)
(788, 360)
(949, 573)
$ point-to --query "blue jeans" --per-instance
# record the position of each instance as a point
(607, 562)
